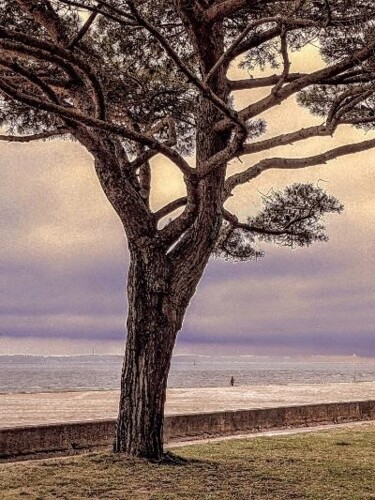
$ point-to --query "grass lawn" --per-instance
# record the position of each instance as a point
(336, 464)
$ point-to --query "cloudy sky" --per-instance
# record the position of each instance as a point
(63, 257)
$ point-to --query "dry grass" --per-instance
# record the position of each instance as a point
(338, 464)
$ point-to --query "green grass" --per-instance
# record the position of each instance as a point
(337, 464)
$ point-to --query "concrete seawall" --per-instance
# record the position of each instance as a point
(71, 436)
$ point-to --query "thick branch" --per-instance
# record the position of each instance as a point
(142, 159)
(350, 77)
(267, 144)
(21, 44)
(313, 78)
(12, 45)
(73, 114)
(333, 121)
(226, 8)
(287, 139)
(171, 207)
(228, 54)
(31, 78)
(295, 163)
(43, 12)
(267, 81)
(233, 149)
(173, 231)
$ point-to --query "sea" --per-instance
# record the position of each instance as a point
(27, 374)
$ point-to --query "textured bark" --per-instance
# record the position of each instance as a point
(154, 319)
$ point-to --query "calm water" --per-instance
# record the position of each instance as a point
(38, 374)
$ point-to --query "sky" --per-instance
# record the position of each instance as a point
(63, 256)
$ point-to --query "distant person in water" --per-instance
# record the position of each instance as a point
(232, 381)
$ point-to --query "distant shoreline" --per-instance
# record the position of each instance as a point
(307, 357)
(90, 389)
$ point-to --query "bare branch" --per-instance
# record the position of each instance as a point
(35, 137)
(286, 62)
(333, 121)
(101, 11)
(82, 32)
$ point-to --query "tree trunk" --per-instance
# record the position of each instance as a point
(154, 319)
(160, 287)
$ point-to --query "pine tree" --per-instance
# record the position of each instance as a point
(132, 79)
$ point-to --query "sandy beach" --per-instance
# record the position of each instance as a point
(42, 408)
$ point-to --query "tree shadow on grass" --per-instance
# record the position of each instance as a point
(168, 459)
(172, 459)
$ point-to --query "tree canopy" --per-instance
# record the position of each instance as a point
(136, 71)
